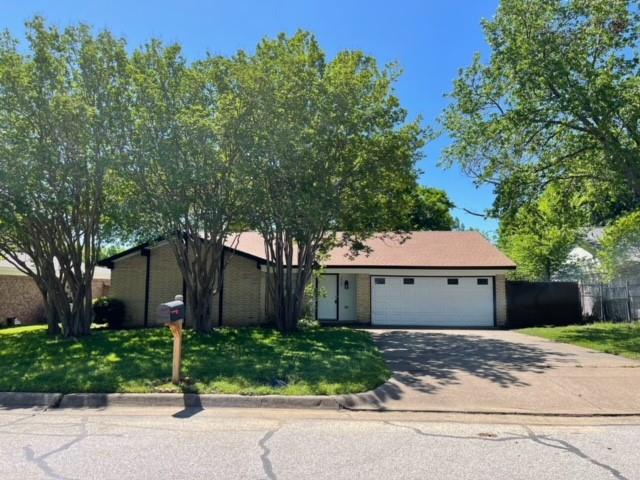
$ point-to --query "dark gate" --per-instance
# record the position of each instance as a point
(532, 304)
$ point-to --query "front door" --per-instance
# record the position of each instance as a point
(347, 298)
(328, 297)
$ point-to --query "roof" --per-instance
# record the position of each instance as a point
(425, 250)
(410, 250)
(6, 268)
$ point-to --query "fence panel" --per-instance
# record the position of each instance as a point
(532, 304)
(618, 301)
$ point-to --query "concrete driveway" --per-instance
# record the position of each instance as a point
(499, 371)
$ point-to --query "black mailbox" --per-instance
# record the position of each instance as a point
(170, 312)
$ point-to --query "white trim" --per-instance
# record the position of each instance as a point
(421, 272)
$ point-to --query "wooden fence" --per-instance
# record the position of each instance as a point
(618, 301)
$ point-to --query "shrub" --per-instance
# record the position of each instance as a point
(110, 311)
(308, 324)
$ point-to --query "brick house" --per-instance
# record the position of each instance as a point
(444, 279)
(20, 299)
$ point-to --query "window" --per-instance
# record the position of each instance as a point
(408, 281)
(452, 281)
(379, 281)
(483, 281)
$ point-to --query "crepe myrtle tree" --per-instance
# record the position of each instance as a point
(180, 181)
(327, 155)
(62, 136)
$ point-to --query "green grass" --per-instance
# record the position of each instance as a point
(616, 338)
(320, 361)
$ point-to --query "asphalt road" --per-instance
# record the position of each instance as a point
(274, 444)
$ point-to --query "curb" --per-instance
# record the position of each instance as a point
(191, 400)
(30, 399)
(204, 401)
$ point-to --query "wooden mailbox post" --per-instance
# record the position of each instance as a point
(172, 315)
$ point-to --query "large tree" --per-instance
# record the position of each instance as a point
(326, 148)
(540, 235)
(558, 100)
(62, 135)
(430, 209)
(181, 178)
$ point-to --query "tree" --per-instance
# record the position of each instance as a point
(62, 123)
(326, 148)
(431, 210)
(540, 236)
(557, 101)
(621, 245)
(181, 178)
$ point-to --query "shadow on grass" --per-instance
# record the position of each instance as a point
(242, 360)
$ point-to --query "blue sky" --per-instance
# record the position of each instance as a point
(431, 40)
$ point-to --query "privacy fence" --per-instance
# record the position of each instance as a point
(531, 304)
(618, 301)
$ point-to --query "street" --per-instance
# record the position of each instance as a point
(163, 443)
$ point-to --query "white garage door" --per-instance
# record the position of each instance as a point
(432, 301)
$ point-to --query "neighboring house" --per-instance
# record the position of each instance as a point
(21, 301)
(446, 279)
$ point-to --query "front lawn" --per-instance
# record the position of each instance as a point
(616, 338)
(321, 361)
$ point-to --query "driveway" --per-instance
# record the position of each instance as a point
(499, 371)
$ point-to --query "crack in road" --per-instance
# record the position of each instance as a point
(531, 435)
(267, 465)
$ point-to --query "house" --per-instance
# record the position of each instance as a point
(21, 301)
(444, 279)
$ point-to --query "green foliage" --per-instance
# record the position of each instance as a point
(540, 236)
(557, 102)
(110, 311)
(615, 338)
(63, 119)
(621, 245)
(431, 210)
(325, 148)
(232, 360)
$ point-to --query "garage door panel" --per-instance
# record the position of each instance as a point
(431, 301)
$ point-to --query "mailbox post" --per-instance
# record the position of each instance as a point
(171, 314)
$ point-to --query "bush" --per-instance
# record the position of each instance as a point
(110, 311)
(308, 324)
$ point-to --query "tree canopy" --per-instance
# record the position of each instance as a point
(326, 149)
(557, 103)
(63, 119)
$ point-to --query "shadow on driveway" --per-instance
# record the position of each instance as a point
(424, 361)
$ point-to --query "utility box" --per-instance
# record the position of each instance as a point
(170, 312)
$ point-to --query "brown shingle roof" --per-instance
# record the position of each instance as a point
(418, 250)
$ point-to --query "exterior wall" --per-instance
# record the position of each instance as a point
(363, 298)
(128, 284)
(100, 288)
(165, 280)
(243, 293)
(20, 299)
(501, 300)
(243, 290)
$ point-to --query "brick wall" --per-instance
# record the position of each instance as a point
(363, 298)
(128, 285)
(243, 288)
(243, 293)
(165, 280)
(21, 299)
(501, 300)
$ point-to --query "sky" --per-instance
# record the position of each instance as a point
(430, 40)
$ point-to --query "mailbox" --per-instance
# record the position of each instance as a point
(170, 312)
